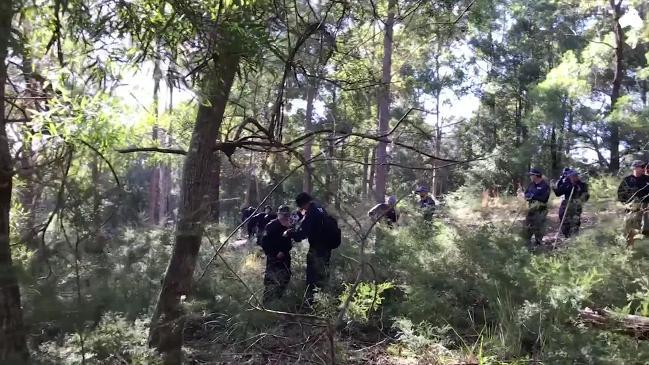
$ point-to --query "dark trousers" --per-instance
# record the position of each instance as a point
(317, 270)
(276, 277)
(572, 220)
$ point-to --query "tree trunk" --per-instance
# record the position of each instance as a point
(168, 319)
(13, 344)
(155, 193)
(384, 106)
(311, 92)
(614, 129)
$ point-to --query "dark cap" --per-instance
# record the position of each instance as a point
(422, 189)
(535, 172)
(303, 198)
(572, 173)
(268, 207)
(638, 163)
(284, 209)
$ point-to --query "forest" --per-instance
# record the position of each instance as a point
(324, 182)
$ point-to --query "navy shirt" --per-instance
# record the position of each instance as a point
(538, 192)
(634, 189)
(565, 187)
(311, 226)
(273, 241)
(427, 202)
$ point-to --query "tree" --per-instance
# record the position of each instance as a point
(381, 173)
(13, 345)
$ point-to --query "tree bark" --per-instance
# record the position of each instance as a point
(614, 129)
(168, 319)
(13, 344)
(311, 92)
(384, 106)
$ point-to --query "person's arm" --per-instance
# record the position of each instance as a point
(305, 228)
(529, 192)
(624, 192)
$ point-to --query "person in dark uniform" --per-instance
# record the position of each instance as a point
(385, 211)
(575, 194)
(260, 220)
(633, 192)
(277, 248)
(537, 194)
(245, 214)
(319, 254)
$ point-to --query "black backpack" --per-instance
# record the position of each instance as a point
(331, 234)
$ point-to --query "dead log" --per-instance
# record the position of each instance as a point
(629, 324)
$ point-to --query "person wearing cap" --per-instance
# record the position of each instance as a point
(537, 194)
(385, 211)
(425, 200)
(245, 214)
(277, 248)
(633, 192)
(575, 194)
(319, 254)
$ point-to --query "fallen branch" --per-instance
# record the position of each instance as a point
(629, 324)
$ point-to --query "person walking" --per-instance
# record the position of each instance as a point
(633, 192)
(575, 194)
(314, 228)
(537, 195)
(385, 211)
(277, 248)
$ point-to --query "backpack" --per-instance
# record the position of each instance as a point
(331, 233)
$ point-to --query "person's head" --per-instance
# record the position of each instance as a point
(638, 167)
(422, 191)
(573, 176)
(565, 171)
(268, 209)
(284, 213)
(303, 200)
(536, 175)
(392, 200)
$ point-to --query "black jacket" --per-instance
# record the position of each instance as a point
(311, 226)
(580, 192)
(273, 241)
(260, 220)
(634, 189)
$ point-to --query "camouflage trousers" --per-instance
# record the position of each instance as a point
(637, 219)
(572, 220)
(535, 224)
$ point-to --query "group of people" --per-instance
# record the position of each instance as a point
(276, 232)
(387, 212)
(569, 186)
(633, 192)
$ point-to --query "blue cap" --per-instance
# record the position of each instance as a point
(535, 172)
(572, 173)
(422, 189)
(392, 200)
(638, 163)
